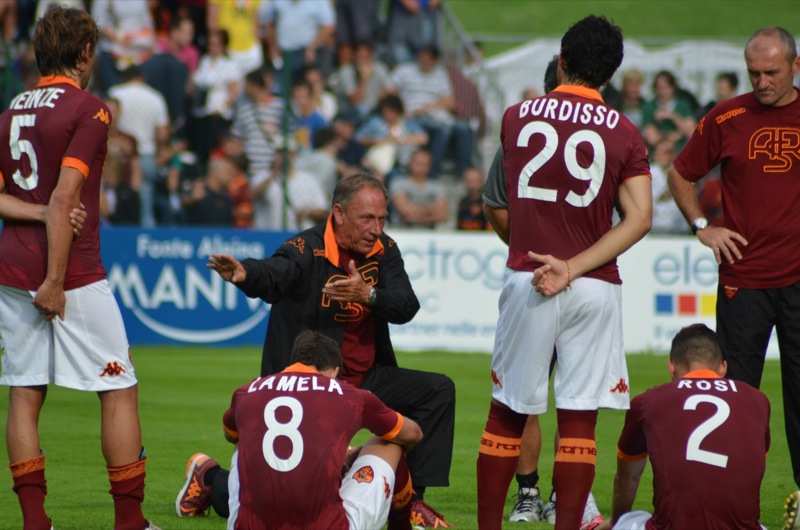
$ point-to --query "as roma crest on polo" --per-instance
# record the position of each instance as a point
(365, 474)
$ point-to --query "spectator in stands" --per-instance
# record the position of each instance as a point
(667, 116)
(257, 121)
(324, 100)
(240, 20)
(300, 32)
(167, 73)
(350, 151)
(467, 104)
(215, 87)
(356, 21)
(426, 91)
(727, 87)
(209, 203)
(667, 218)
(322, 163)
(143, 115)
(629, 100)
(412, 27)
(418, 202)
(179, 42)
(470, 214)
(530, 93)
(127, 37)
(304, 204)
(364, 81)
(390, 137)
(307, 119)
(122, 174)
(239, 190)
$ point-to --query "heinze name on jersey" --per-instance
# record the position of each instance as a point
(167, 294)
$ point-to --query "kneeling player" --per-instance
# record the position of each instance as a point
(293, 430)
(707, 438)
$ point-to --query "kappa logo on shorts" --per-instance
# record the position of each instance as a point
(112, 369)
(496, 380)
(386, 489)
(730, 292)
(365, 474)
(621, 387)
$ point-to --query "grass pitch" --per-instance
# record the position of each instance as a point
(185, 390)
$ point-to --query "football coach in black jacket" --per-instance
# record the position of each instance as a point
(346, 279)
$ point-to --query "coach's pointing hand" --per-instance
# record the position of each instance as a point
(353, 289)
(228, 267)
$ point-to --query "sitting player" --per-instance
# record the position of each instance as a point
(292, 431)
(707, 438)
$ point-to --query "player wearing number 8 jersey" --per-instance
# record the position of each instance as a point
(59, 321)
(568, 158)
(707, 439)
(293, 430)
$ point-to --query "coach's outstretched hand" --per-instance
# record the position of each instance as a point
(228, 267)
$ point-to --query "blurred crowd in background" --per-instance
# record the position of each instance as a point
(245, 113)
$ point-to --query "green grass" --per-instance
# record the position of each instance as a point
(642, 19)
(184, 391)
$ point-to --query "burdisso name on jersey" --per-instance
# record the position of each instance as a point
(564, 110)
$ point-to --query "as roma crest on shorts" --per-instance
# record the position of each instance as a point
(365, 474)
(730, 292)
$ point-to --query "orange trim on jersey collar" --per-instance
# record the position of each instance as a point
(701, 374)
(302, 368)
(57, 79)
(582, 91)
(332, 247)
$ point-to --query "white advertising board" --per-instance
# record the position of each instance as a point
(668, 283)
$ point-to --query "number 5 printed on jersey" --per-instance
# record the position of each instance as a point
(20, 146)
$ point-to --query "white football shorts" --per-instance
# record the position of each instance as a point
(583, 323)
(88, 350)
(366, 492)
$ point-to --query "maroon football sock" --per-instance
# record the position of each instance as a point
(31, 488)
(400, 512)
(127, 489)
(497, 462)
(574, 467)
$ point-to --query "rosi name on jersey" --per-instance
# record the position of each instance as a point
(720, 385)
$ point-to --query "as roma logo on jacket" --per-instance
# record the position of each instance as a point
(365, 474)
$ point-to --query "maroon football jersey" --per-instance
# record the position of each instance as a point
(293, 430)
(758, 148)
(565, 155)
(54, 125)
(707, 439)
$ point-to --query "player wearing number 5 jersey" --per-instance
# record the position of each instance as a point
(707, 438)
(568, 159)
(59, 322)
(293, 429)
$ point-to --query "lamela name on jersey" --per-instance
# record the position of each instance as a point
(568, 111)
(295, 383)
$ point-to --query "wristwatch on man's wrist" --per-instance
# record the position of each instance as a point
(699, 224)
(373, 297)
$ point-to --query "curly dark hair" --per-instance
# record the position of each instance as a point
(592, 51)
(60, 39)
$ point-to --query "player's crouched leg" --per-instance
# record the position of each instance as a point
(367, 489)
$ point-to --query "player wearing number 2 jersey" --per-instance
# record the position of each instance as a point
(293, 430)
(59, 322)
(568, 158)
(707, 438)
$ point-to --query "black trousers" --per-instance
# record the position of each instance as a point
(744, 323)
(425, 397)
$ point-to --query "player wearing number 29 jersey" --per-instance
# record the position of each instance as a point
(293, 430)
(52, 126)
(565, 155)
